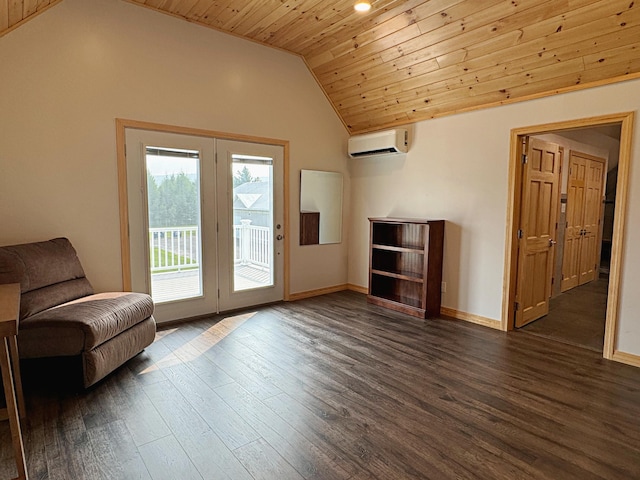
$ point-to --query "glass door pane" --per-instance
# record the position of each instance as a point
(173, 205)
(250, 191)
(252, 221)
(171, 199)
(205, 222)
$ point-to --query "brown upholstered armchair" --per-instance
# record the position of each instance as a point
(60, 315)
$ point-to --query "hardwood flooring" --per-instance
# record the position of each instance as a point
(334, 388)
(576, 316)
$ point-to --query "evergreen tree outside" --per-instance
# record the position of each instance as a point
(243, 176)
(174, 202)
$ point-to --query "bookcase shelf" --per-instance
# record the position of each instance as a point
(408, 276)
(394, 248)
(405, 265)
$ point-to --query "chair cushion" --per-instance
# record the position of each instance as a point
(49, 274)
(36, 301)
(97, 363)
(82, 324)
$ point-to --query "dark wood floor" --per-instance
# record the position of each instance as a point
(333, 388)
(576, 316)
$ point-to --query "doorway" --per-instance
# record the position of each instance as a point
(513, 270)
(205, 222)
(578, 292)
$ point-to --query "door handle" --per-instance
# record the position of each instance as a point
(552, 242)
(279, 237)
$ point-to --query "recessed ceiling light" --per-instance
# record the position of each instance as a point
(362, 6)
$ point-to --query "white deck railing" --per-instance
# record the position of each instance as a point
(174, 249)
(177, 248)
(252, 245)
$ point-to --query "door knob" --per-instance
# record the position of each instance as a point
(279, 237)
(552, 242)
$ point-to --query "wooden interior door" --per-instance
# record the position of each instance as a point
(540, 197)
(592, 213)
(576, 185)
(584, 205)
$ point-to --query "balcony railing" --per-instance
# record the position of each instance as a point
(252, 245)
(174, 249)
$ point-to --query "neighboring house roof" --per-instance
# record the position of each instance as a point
(251, 196)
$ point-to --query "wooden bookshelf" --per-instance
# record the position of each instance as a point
(405, 265)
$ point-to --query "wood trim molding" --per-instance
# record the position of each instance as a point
(626, 358)
(626, 120)
(357, 288)
(317, 292)
(470, 317)
(511, 244)
(509, 101)
(286, 214)
(201, 132)
(123, 202)
(446, 311)
(30, 17)
(123, 124)
(617, 245)
(212, 27)
(326, 94)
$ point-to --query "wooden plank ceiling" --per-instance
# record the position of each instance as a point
(14, 13)
(410, 60)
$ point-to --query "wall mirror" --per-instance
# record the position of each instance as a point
(320, 207)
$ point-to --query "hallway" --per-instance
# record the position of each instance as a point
(576, 317)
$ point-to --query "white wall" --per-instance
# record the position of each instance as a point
(569, 144)
(457, 169)
(67, 74)
(592, 136)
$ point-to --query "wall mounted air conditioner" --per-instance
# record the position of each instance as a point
(379, 143)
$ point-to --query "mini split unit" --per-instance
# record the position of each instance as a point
(379, 143)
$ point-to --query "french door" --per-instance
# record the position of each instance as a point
(584, 204)
(205, 222)
(251, 223)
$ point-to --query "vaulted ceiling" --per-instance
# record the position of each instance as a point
(410, 60)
